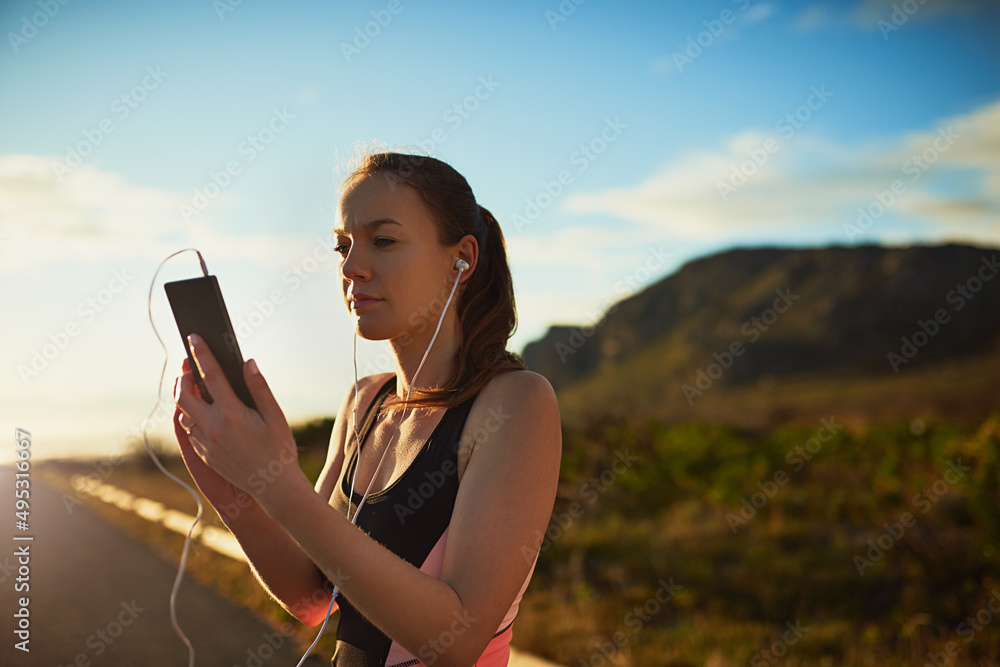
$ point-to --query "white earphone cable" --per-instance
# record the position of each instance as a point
(462, 266)
(159, 464)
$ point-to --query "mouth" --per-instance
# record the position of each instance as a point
(362, 301)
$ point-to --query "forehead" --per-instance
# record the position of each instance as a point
(381, 198)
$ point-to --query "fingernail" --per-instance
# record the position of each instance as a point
(192, 339)
(253, 367)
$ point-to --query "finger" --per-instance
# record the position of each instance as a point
(186, 368)
(211, 373)
(192, 450)
(199, 448)
(267, 405)
(187, 400)
(186, 424)
(183, 439)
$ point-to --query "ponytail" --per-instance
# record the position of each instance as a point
(488, 314)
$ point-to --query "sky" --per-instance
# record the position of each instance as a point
(613, 142)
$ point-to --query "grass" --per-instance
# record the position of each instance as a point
(961, 391)
(791, 560)
(739, 583)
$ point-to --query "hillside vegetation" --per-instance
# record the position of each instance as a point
(844, 326)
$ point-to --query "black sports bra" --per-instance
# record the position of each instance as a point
(408, 517)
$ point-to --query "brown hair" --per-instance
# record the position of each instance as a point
(484, 303)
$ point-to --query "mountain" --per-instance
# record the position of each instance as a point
(757, 336)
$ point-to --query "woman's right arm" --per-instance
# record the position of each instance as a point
(277, 561)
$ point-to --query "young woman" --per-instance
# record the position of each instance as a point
(460, 460)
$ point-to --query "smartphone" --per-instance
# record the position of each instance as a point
(198, 308)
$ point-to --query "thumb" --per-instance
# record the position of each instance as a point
(267, 406)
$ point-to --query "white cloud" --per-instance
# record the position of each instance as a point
(90, 215)
(811, 18)
(758, 12)
(717, 27)
(809, 180)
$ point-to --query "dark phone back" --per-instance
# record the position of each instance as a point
(198, 308)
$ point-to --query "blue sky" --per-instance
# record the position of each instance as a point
(613, 141)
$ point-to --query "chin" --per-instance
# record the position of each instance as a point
(368, 330)
(372, 328)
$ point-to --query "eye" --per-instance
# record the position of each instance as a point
(340, 248)
(384, 238)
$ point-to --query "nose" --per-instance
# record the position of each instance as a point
(353, 267)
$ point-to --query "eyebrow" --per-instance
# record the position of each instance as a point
(369, 226)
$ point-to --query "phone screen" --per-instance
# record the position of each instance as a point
(199, 308)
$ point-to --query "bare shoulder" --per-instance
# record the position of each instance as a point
(519, 403)
(520, 387)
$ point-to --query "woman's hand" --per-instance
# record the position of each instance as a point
(227, 499)
(228, 447)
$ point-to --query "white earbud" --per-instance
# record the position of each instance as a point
(461, 265)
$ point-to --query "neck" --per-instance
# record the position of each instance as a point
(440, 360)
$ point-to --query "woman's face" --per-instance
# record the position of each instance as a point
(395, 276)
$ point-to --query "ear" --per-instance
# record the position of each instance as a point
(467, 249)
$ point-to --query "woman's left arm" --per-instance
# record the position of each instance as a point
(504, 503)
